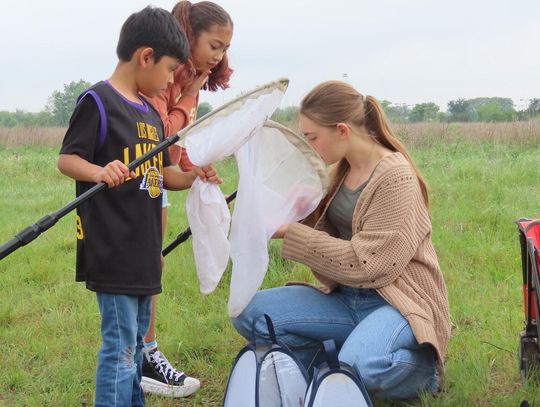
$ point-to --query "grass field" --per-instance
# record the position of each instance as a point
(481, 179)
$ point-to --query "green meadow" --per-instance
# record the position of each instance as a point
(481, 180)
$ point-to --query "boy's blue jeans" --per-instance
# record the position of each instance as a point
(124, 322)
(373, 336)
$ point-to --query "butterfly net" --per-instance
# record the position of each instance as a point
(281, 180)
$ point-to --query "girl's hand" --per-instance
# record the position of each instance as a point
(193, 88)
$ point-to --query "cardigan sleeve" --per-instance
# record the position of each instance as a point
(384, 241)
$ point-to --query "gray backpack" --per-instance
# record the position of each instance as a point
(336, 384)
(266, 375)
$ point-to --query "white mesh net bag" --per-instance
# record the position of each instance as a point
(281, 181)
(212, 138)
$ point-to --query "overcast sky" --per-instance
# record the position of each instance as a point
(405, 51)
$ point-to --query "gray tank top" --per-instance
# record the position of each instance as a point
(341, 209)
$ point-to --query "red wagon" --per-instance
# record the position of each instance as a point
(529, 352)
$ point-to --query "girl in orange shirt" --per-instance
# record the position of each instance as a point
(209, 29)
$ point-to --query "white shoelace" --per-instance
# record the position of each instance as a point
(165, 368)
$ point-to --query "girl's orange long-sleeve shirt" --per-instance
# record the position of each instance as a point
(176, 111)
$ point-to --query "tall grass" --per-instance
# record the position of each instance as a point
(412, 134)
(479, 184)
(430, 134)
(30, 136)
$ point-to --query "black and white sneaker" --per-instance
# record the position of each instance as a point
(161, 378)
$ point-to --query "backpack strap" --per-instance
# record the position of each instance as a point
(102, 117)
(331, 354)
(271, 330)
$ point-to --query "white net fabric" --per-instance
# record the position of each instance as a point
(278, 185)
(226, 131)
(281, 181)
(211, 140)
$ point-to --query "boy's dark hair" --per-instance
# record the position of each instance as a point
(155, 28)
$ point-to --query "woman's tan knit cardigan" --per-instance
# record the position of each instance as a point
(390, 250)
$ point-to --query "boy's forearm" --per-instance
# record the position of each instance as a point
(176, 180)
(77, 168)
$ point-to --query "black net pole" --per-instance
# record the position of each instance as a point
(30, 233)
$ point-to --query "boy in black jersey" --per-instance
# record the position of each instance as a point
(119, 230)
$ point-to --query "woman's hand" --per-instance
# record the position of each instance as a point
(280, 233)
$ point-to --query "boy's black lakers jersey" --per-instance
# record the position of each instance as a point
(119, 229)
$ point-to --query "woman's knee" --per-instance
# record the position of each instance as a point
(384, 351)
(400, 374)
(248, 322)
(359, 358)
(243, 324)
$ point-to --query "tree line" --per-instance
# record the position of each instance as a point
(59, 108)
(61, 103)
(482, 109)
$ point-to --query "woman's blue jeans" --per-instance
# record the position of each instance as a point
(373, 336)
(124, 322)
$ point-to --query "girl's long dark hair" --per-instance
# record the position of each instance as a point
(196, 18)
